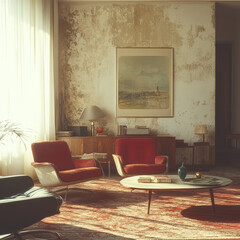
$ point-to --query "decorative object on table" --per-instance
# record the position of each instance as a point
(99, 130)
(148, 90)
(122, 130)
(201, 130)
(198, 175)
(92, 113)
(182, 171)
(204, 181)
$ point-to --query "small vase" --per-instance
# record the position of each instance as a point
(182, 172)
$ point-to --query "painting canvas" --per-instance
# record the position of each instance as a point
(144, 82)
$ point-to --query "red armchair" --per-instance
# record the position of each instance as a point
(54, 165)
(137, 156)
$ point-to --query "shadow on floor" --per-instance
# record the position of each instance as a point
(223, 213)
(71, 232)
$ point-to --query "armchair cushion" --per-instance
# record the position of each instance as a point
(79, 173)
(138, 169)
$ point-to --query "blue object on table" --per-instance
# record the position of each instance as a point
(182, 172)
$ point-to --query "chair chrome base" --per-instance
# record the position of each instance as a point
(18, 235)
(67, 189)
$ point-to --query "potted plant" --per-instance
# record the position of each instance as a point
(10, 131)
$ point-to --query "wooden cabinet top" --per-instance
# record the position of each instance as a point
(118, 136)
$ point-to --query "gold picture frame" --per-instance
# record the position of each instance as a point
(144, 82)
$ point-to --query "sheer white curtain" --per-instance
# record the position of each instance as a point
(27, 77)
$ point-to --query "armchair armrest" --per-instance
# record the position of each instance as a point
(162, 160)
(47, 174)
(13, 185)
(118, 163)
(42, 164)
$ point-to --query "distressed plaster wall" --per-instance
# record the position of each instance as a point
(88, 36)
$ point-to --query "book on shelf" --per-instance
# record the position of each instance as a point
(141, 131)
(154, 179)
(64, 133)
(101, 135)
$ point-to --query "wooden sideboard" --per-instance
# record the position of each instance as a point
(166, 145)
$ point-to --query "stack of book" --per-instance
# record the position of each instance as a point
(154, 179)
(64, 134)
(138, 130)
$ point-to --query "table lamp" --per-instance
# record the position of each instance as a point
(201, 130)
(92, 113)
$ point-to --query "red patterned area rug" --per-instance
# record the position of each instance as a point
(114, 212)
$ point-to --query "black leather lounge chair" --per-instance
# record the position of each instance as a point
(23, 204)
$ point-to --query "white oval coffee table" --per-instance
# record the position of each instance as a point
(191, 183)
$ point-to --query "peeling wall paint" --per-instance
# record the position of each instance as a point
(89, 35)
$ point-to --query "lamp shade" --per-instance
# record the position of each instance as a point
(200, 129)
(92, 113)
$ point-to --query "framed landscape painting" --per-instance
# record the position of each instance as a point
(144, 82)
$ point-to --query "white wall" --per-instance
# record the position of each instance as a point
(89, 35)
